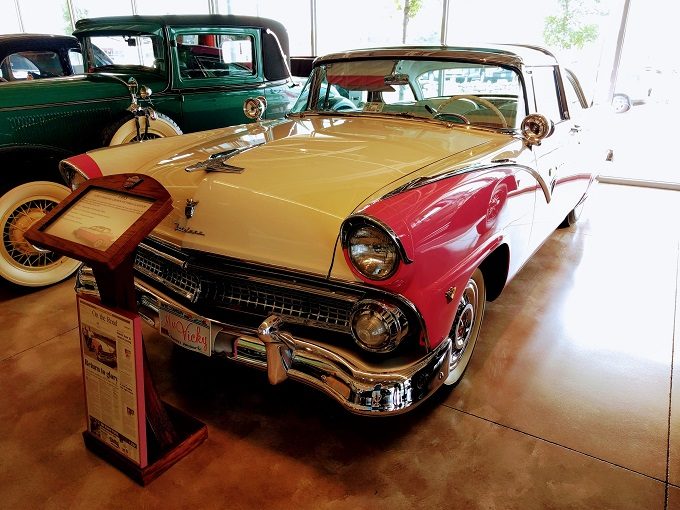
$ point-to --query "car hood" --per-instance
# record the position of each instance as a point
(282, 199)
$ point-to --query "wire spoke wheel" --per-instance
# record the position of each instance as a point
(20, 261)
(14, 242)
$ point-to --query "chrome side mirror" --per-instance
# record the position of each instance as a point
(535, 127)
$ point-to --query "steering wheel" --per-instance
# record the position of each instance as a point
(477, 101)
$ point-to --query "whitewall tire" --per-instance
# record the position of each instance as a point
(466, 326)
(125, 131)
(20, 262)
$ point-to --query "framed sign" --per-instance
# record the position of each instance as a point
(104, 219)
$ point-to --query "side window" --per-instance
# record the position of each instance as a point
(575, 99)
(216, 55)
(30, 65)
(76, 59)
(546, 92)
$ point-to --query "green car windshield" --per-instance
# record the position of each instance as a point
(124, 51)
(461, 92)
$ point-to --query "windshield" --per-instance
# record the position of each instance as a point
(107, 52)
(461, 92)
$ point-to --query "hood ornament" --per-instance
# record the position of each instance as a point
(218, 162)
(190, 208)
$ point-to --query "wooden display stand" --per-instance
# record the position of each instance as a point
(101, 224)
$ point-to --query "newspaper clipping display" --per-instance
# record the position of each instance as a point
(111, 353)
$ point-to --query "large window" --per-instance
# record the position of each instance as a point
(545, 91)
(294, 14)
(362, 24)
(208, 55)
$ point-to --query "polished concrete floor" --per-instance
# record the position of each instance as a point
(569, 400)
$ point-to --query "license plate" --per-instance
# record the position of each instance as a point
(186, 329)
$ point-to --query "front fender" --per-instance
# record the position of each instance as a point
(448, 228)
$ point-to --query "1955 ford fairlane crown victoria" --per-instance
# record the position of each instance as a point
(352, 246)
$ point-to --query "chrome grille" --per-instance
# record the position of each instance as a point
(172, 276)
(240, 293)
(297, 306)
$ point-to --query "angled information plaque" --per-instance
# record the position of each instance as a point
(101, 224)
(104, 219)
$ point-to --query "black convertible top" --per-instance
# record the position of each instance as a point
(13, 43)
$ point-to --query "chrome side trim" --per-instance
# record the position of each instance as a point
(424, 181)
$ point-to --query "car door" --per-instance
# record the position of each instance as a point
(557, 156)
(214, 71)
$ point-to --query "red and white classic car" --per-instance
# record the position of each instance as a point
(352, 246)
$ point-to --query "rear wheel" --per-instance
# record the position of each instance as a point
(573, 215)
(20, 262)
(466, 326)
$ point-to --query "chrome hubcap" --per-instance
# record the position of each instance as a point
(464, 323)
(13, 240)
(463, 327)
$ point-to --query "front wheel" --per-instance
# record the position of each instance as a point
(125, 130)
(20, 262)
(466, 326)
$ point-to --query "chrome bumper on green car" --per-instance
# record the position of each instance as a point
(359, 387)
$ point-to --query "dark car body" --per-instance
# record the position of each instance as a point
(35, 56)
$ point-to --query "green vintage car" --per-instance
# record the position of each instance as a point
(144, 77)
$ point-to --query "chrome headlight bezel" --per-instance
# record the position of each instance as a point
(365, 258)
(73, 177)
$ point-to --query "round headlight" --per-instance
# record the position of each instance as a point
(378, 326)
(373, 252)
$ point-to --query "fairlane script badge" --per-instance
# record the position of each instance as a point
(188, 230)
(186, 330)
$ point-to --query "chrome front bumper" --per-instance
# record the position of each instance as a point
(359, 387)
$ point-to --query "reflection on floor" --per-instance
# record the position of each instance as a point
(566, 404)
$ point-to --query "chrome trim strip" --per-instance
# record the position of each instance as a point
(424, 181)
(269, 31)
(358, 386)
(174, 260)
